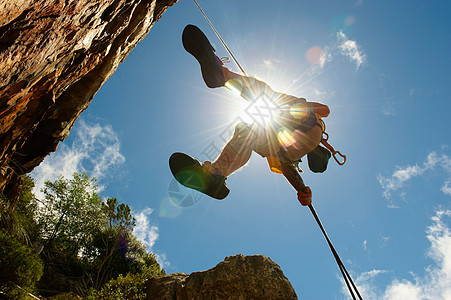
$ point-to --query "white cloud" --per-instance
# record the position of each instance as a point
(403, 174)
(94, 150)
(414, 92)
(383, 240)
(271, 64)
(365, 284)
(388, 109)
(148, 234)
(446, 188)
(435, 284)
(365, 245)
(162, 259)
(325, 57)
(350, 49)
(268, 64)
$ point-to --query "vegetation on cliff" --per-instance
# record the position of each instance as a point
(71, 242)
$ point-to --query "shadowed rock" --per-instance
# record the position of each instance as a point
(54, 56)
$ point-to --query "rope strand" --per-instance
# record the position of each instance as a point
(296, 181)
(344, 272)
(220, 38)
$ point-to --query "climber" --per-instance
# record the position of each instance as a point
(294, 132)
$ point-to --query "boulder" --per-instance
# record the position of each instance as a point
(238, 277)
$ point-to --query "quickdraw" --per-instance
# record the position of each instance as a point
(324, 141)
(332, 150)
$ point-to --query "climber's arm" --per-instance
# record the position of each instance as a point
(316, 107)
(319, 108)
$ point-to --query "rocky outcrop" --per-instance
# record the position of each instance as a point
(236, 278)
(54, 56)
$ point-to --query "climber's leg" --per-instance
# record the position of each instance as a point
(248, 87)
(236, 153)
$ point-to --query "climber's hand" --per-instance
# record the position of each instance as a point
(305, 197)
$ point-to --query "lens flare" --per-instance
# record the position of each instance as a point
(235, 85)
(286, 137)
(299, 111)
(314, 55)
(182, 196)
(263, 111)
(168, 209)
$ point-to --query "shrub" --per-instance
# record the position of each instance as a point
(19, 265)
(132, 286)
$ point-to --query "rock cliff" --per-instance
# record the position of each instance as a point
(236, 278)
(54, 56)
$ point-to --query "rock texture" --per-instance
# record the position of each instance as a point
(54, 56)
(236, 278)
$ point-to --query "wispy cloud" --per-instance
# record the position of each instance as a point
(350, 49)
(383, 240)
(94, 150)
(359, 2)
(271, 63)
(325, 57)
(148, 234)
(366, 284)
(144, 231)
(403, 174)
(434, 284)
(365, 245)
(320, 57)
(388, 109)
(446, 188)
(268, 64)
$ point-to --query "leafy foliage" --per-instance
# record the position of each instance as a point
(86, 239)
(85, 244)
(17, 218)
(132, 286)
(18, 264)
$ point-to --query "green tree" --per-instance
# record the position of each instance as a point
(17, 217)
(86, 239)
(111, 238)
(70, 212)
(20, 267)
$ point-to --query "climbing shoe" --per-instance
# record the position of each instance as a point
(190, 173)
(196, 43)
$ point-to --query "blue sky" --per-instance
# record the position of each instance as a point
(383, 69)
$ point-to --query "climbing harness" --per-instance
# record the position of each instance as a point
(290, 171)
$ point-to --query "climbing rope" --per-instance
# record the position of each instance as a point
(344, 272)
(220, 38)
(296, 181)
(290, 173)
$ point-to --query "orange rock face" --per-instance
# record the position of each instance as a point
(54, 56)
